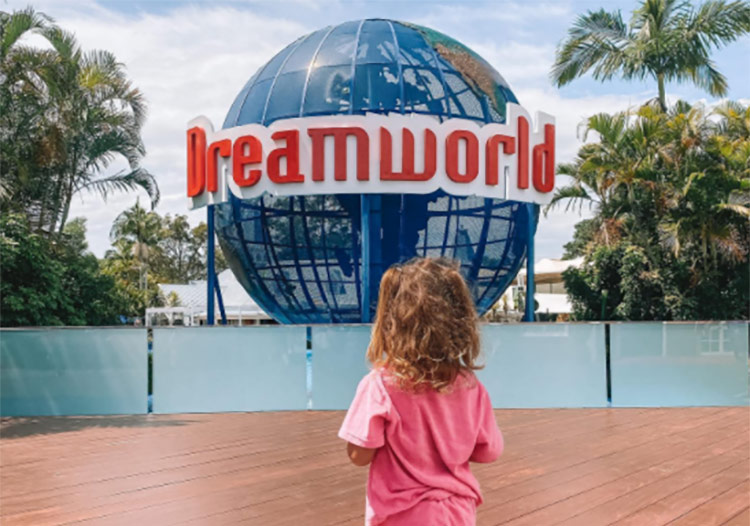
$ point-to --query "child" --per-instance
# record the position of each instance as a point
(421, 415)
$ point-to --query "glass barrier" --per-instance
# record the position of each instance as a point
(675, 364)
(545, 365)
(73, 372)
(203, 369)
(556, 365)
(264, 368)
(338, 363)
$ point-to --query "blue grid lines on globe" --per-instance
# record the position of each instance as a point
(300, 257)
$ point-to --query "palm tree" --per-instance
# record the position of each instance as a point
(69, 115)
(24, 125)
(666, 40)
(137, 231)
(102, 115)
(607, 173)
(709, 199)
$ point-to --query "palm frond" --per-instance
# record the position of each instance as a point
(574, 193)
(669, 236)
(717, 22)
(707, 77)
(608, 127)
(125, 181)
(64, 42)
(596, 39)
(741, 210)
(16, 24)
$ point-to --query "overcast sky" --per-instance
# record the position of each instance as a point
(192, 58)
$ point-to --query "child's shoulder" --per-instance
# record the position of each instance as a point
(373, 384)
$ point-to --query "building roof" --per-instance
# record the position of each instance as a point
(550, 270)
(236, 300)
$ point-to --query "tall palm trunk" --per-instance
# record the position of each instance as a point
(662, 94)
(66, 206)
(69, 190)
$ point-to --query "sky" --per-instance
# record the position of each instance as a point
(192, 58)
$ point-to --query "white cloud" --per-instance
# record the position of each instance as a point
(521, 64)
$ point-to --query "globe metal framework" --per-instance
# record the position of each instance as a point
(319, 259)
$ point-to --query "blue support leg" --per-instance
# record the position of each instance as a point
(365, 272)
(211, 278)
(220, 299)
(530, 231)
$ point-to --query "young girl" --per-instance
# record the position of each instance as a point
(421, 415)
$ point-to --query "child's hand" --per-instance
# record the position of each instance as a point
(360, 456)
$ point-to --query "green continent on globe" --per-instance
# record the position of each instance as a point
(478, 74)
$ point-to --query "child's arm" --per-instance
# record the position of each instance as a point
(360, 456)
(364, 425)
(490, 444)
(488, 451)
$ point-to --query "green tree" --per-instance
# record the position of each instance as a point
(666, 40)
(65, 116)
(52, 281)
(136, 232)
(27, 140)
(680, 184)
(181, 255)
(148, 249)
(583, 237)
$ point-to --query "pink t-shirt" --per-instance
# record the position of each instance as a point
(425, 442)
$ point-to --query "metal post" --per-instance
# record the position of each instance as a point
(365, 273)
(220, 299)
(211, 278)
(530, 227)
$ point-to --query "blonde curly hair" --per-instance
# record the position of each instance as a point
(425, 332)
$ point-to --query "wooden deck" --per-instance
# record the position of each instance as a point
(573, 467)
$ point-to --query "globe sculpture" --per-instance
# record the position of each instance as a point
(301, 258)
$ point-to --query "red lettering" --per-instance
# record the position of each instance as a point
(196, 161)
(291, 152)
(247, 150)
(407, 171)
(523, 153)
(544, 179)
(509, 148)
(223, 148)
(339, 135)
(472, 156)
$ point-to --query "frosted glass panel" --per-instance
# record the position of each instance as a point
(679, 364)
(338, 364)
(73, 372)
(545, 365)
(202, 369)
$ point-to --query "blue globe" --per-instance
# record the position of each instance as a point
(301, 258)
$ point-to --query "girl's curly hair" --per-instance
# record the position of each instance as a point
(425, 331)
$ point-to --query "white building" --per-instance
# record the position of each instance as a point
(192, 309)
(549, 288)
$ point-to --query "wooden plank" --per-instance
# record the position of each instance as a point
(741, 519)
(680, 502)
(718, 510)
(624, 505)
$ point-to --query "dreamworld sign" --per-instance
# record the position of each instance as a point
(373, 153)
